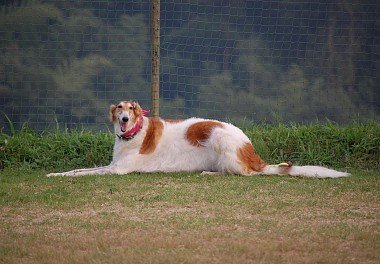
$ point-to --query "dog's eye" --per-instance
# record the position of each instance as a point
(119, 106)
(130, 107)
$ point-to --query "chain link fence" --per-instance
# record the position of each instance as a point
(64, 62)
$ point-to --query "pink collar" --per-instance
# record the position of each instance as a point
(136, 128)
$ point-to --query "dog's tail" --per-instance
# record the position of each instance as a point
(305, 171)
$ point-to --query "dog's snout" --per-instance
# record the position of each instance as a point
(125, 119)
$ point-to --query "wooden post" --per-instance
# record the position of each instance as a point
(155, 77)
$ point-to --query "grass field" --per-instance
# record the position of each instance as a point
(172, 218)
(189, 218)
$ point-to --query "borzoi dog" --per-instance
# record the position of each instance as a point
(145, 144)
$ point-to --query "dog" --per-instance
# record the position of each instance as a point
(145, 144)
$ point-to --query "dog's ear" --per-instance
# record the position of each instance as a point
(111, 116)
(136, 109)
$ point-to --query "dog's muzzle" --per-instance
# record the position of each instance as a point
(123, 123)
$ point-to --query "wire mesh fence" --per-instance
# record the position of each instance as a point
(264, 61)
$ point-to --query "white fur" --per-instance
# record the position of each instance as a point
(174, 153)
(306, 171)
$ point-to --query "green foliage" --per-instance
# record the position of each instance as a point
(56, 149)
(356, 145)
(263, 77)
(67, 60)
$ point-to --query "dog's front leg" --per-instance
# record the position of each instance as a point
(110, 169)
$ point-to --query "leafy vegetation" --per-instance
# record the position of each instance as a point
(351, 146)
(65, 61)
(56, 150)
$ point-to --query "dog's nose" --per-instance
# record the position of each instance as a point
(125, 119)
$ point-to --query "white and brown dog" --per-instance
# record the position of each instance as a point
(145, 144)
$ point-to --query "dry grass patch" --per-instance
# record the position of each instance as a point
(175, 218)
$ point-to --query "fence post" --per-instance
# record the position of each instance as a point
(155, 77)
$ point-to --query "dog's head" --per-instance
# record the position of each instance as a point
(125, 114)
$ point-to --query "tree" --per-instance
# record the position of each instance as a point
(63, 65)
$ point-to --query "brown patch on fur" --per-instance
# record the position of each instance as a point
(173, 121)
(112, 116)
(200, 132)
(153, 135)
(136, 109)
(250, 160)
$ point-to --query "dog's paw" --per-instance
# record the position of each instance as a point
(54, 174)
(210, 173)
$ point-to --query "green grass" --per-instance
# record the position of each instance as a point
(356, 145)
(181, 217)
(186, 217)
(55, 150)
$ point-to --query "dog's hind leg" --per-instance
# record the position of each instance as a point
(80, 172)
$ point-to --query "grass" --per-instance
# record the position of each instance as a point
(356, 145)
(161, 218)
(185, 217)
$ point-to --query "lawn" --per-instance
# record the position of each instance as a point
(173, 218)
(186, 217)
